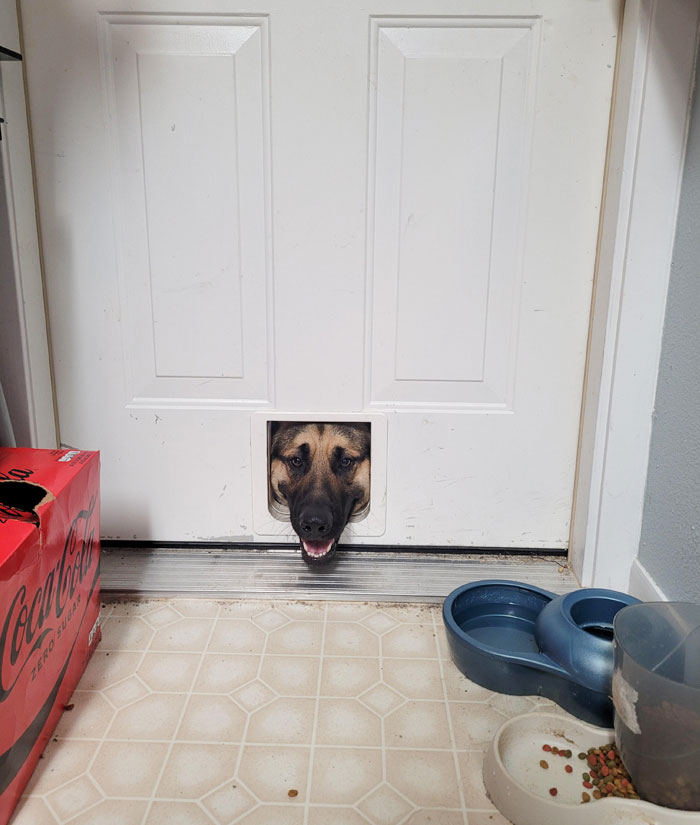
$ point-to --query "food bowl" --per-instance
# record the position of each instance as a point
(520, 788)
(518, 639)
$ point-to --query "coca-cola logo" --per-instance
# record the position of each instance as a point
(34, 622)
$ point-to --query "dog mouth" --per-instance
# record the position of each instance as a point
(318, 552)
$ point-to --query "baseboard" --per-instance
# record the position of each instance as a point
(643, 586)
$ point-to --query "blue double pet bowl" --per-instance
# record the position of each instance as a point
(518, 639)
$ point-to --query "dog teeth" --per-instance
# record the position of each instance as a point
(317, 549)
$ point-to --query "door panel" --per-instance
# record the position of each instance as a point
(386, 211)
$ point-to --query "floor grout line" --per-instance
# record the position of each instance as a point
(450, 723)
(173, 739)
(314, 729)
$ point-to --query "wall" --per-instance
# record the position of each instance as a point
(670, 541)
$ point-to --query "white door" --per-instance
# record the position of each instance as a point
(383, 210)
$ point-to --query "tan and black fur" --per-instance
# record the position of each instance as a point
(321, 471)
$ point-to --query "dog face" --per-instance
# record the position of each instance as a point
(321, 472)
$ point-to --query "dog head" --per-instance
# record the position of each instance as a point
(321, 472)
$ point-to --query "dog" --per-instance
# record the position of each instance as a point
(321, 472)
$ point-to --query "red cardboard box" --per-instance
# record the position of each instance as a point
(49, 599)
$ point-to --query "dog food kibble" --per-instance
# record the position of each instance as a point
(292, 793)
(605, 774)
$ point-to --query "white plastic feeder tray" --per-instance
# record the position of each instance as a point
(519, 787)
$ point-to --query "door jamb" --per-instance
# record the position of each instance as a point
(654, 89)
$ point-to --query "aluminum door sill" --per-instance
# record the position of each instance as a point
(352, 576)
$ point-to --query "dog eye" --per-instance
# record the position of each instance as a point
(295, 461)
(346, 462)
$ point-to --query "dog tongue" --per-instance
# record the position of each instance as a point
(316, 549)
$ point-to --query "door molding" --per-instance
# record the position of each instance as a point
(655, 72)
(31, 370)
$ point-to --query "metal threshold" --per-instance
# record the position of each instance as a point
(352, 576)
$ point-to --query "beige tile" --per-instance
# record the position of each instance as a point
(169, 671)
(427, 778)
(73, 798)
(379, 622)
(271, 772)
(384, 806)
(510, 705)
(176, 813)
(303, 611)
(236, 636)
(410, 641)
(291, 675)
(274, 815)
(193, 770)
(270, 619)
(347, 722)
(349, 611)
(419, 679)
(344, 775)
(471, 766)
(120, 633)
(135, 607)
(154, 717)
(474, 724)
(254, 695)
(348, 677)
(89, 718)
(287, 721)
(114, 812)
(459, 688)
(63, 760)
(443, 644)
(382, 699)
(224, 672)
(162, 617)
(211, 719)
(229, 801)
(487, 818)
(108, 668)
(318, 815)
(437, 816)
(425, 614)
(32, 810)
(418, 725)
(301, 638)
(350, 639)
(241, 608)
(185, 635)
(125, 692)
(128, 768)
(197, 608)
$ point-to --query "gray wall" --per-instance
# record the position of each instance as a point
(670, 542)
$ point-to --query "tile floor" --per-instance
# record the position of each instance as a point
(200, 712)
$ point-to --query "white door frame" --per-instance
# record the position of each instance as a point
(32, 368)
(646, 154)
(645, 168)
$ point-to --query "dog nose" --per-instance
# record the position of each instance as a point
(315, 524)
